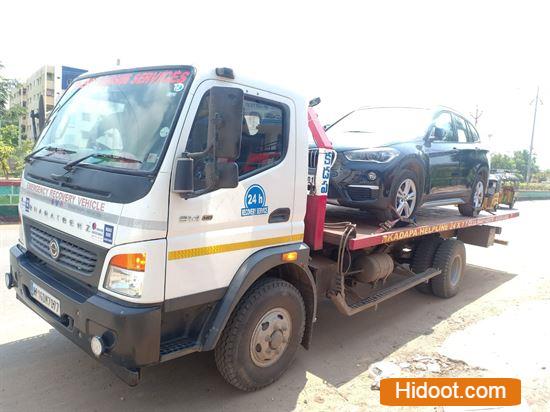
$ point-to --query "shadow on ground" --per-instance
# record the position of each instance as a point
(57, 375)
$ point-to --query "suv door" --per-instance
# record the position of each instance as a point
(442, 152)
(466, 154)
(476, 157)
(210, 236)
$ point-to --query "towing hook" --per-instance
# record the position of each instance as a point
(10, 281)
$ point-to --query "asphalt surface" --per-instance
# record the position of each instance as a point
(497, 326)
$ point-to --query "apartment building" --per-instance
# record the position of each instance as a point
(49, 81)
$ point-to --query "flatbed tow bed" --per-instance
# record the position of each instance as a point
(355, 232)
(428, 221)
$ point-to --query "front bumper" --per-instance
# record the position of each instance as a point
(131, 333)
(351, 187)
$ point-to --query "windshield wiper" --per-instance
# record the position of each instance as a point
(51, 149)
(70, 166)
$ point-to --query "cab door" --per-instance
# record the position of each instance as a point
(210, 236)
(443, 155)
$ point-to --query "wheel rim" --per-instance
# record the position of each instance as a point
(270, 337)
(456, 270)
(478, 195)
(405, 200)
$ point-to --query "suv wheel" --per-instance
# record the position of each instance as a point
(404, 197)
(473, 207)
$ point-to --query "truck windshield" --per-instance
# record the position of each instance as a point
(125, 117)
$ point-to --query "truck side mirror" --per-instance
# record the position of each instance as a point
(40, 114)
(183, 180)
(225, 122)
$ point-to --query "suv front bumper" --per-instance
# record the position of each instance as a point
(131, 333)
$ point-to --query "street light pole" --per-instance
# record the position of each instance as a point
(530, 162)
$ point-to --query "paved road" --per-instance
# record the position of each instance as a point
(497, 325)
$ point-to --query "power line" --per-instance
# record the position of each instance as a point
(530, 162)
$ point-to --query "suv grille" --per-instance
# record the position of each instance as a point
(313, 157)
(70, 255)
(359, 194)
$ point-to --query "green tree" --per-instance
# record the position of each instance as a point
(517, 162)
(6, 151)
(12, 115)
(12, 150)
(18, 157)
(502, 161)
(521, 159)
(9, 135)
(4, 90)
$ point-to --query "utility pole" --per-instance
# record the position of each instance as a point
(477, 115)
(530, 162)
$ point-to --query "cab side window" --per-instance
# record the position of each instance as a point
(263, 142)
(442, 128)
(461, 129)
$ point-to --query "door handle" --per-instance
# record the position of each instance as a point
(279, 215)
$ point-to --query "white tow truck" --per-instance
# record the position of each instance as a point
(167, 210)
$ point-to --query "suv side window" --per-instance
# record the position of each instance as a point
(461, 129)
(474, 136)
(444, 122)
(263, 142)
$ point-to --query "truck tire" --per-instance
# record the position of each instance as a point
(422, 259)
(262, 335)
(475, 201)
(450, 258)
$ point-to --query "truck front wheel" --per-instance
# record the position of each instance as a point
(260, 340)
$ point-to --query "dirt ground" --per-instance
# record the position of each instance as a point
(498, 325)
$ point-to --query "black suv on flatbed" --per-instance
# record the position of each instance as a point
(392, 160)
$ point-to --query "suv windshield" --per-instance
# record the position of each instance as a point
(380, 124)
(120, 120)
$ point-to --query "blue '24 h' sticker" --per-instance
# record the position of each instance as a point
(254, 202)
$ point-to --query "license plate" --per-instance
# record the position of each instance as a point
(45, 299)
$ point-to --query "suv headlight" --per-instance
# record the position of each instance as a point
(125, 274)
(377, 155)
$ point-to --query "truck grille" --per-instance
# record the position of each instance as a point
(70, 255)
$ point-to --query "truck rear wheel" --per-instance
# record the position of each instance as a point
(422, 259)
(450, 258)
(260, 340)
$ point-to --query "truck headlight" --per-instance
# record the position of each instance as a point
(125, 274)
(377, 154)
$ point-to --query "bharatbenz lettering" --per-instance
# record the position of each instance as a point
(167, 210)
